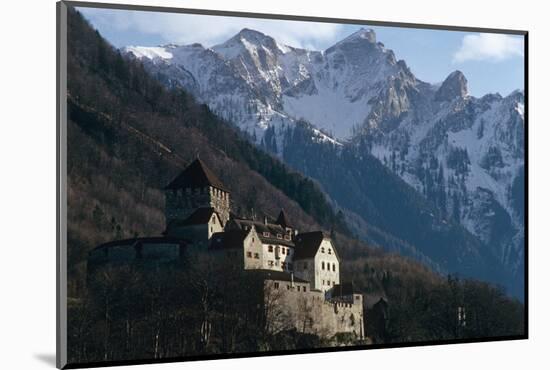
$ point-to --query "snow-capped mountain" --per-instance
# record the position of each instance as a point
(257, 83)
(464, 154)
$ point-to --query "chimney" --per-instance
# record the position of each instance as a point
(265, 220)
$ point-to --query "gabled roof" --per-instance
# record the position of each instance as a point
(261, 227)
(282, 219)
(228, 240)
(307, 244)
(196, 175)
(201, 216)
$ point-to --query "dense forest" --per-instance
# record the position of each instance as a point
(128, 136)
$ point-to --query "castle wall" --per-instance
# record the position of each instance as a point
(219, 200)
(129, 252)
(305, 269)
(198, 235)
(296, 306)
(181, 203)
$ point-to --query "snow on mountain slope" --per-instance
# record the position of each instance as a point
(465, 154)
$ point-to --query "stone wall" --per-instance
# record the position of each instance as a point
(294, 305)
(181, 203)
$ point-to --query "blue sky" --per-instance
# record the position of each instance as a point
(491, 62)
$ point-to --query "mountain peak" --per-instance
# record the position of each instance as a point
(454, 86)
(250, 33)
(359, 39)
(246, 40)
(360, 35)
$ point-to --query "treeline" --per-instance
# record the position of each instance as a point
(157, 312)
(420, 306)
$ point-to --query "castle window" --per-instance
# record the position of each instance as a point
(270, 248)
(323, 282)
(323, 265)
(288, 287)
(322, 249)
(270, 263)
(266, 234)
(257, 256)
(329, 251)
(276, 285)
(279, 236)
(249, 254)
(305, 288)
(283, 250)
(283, 265)
(214, 220)
(333, 267)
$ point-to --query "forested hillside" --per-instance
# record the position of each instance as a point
(128, 136)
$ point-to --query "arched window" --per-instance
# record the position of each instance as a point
(323, 265)
(333, 267)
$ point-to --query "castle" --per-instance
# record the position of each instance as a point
(302, 268)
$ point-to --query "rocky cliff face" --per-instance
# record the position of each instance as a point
(464, 155)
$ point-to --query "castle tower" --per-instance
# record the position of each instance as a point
(196, 187)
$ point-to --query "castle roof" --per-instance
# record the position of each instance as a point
(282, 219)
(307, 244)
(231, 239)
(262, 227)
(201, 216)
(196, 175)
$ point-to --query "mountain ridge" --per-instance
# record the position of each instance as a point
(462, 153)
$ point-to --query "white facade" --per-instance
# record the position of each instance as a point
(253, 251)
(323, 269)
(277, 257)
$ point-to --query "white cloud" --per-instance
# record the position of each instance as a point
(210, 30)
(489, 47)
